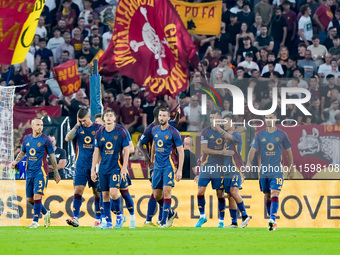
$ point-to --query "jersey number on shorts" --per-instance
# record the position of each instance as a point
(115, 177)
(40, 184)
(235, 178)
(279, 181)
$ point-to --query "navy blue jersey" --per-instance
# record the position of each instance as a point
(147, 138)
(110, 145)
(165, 140)
(37, 149)
(270, 149)
(233, 163)
(85, 145)
(121, 158)
(214, 141)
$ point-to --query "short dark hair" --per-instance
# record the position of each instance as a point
(230, 116)
(293, 58)
(156, 111)
(329, 76)
(304, 8)
(223, 57)
(302, 45)
(107, 111)
(215, 112)
(98, 115)
(163, 109)
(271, 62)
(315, 37)
(82, 113)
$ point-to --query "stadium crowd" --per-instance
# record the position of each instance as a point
(261, 45)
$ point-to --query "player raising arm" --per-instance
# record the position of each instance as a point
(37, 146)
(233, 177)
(83, 132)
(269, 142)
(210, 170)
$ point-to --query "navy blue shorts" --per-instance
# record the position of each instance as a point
(36, 185)
(163, 177)
(234, 180)
(113, 180)
(82, 177)
(216, 183)
(268, 184)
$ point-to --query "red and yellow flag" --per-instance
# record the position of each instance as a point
(18, 22)
(151, 45)
(67, 77)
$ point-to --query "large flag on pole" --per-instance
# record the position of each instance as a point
(18, 22)
(151, 45)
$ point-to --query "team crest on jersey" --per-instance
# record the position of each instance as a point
(93, 132)
(166, 137)
(277, 139)
(160, 143)
(87, 139)
(82, 132)
(131, 112)
(270, 146)
(212, 136)
(115, 137)
(219, 141)
(38, 144)
(263, 140)
(109, 145)
(32, 152)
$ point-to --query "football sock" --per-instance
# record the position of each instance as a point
(43, 209)
(97, 208)
(117, 207)
(76, 205)
(274, 207)
(160, 206)
(37, 209)
(242, 209)
(268, 204)
(128, 201)
(166, 209)
(221, 208)
(151, 208)
(233, 216)
(107, 212)
(201, 205)
(101, 206)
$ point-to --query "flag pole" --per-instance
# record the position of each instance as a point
(95, 91)
(9, 75)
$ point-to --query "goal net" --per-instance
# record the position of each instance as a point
(9, 211)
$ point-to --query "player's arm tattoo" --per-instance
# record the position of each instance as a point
(20, 156)
(70, 136)
(54, 164)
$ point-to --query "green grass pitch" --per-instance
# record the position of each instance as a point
(175, 241)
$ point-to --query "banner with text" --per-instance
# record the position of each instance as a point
(300, 206)
(200, 18)
(67, 77)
